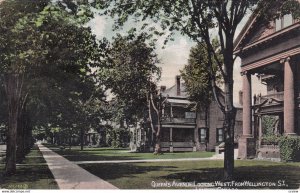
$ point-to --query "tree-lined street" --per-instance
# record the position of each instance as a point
(88, 97)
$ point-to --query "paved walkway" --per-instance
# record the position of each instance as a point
(69, 175)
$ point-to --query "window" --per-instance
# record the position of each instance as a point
(283, 22)
(203, 135)
(278, 24)
(287, 20)
(220, 134)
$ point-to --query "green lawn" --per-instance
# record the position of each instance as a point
(93, 154)
(142, 175)
(33, 173)
(263, 174)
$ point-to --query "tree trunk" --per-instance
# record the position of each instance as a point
(229, 144)
(230, 112)
(81, 139)
(196, 138)
(196, 133)
(158, 123)
(153, 138)
(157, 138)
(28, 139)
(10, 167)
(70, 141)
(20, 138)
(13, 98)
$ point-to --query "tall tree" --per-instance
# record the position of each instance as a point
(197, 80)
(196, 19)
(15, 58)
(196, 75)
(133, 75)
(43, 46)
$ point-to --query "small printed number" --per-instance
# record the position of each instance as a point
(293, 191)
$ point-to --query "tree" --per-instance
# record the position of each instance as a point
(196, 76)
(132, 77)
(15, 58)
(43, 46)
(196, 19)
(72, 52)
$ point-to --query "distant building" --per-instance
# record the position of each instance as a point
(272, 52)
(184, 128)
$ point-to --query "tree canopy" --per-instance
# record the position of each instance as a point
(48, 58)
(132, 73)
(196, 75)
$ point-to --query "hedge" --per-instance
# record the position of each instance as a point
(289, 148)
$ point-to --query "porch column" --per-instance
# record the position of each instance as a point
(259, 129)
(247, 117)
(289, 98)
(171, 140)
(246, 141)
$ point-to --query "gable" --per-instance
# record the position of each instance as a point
(254, 30)
(261, 31)
(258, 30)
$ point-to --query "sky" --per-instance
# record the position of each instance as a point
(175, 54)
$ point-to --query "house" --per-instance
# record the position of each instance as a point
(185, 129)
(271, 51)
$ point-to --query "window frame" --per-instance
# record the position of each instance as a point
(204, 139)
(218, 135)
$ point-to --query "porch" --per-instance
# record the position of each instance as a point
(178, 138)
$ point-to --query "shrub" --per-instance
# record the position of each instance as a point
(117, 137)
(271, 139)
(289, 148)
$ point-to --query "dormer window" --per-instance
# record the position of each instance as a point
(283, 22)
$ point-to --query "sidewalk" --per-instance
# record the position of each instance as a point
(69, 175)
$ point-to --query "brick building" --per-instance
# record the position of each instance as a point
(184, 128)
(270, 51)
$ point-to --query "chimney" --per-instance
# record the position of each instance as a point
(162, 89)
(241, 97)
(178, 85)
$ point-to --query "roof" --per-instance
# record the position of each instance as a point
(183, 98)
(251, 28)
(244, 31)
(172, 92)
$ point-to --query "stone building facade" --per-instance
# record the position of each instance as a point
(271, 51)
